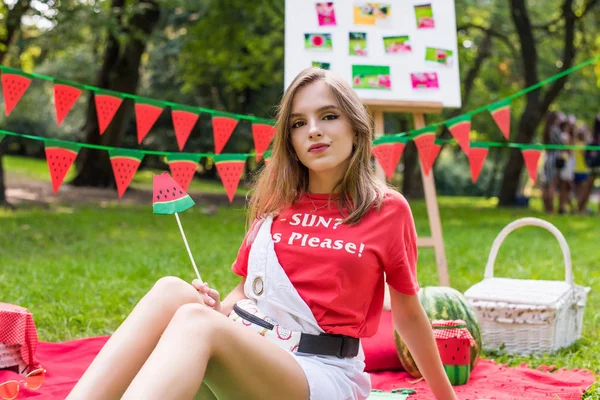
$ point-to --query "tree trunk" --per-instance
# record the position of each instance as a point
(119, 72)
(412, 185)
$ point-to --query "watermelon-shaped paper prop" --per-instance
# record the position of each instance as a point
(125, 164)
(60, 156)
(454, 342)
(183, 168)
(460, 128)
(262, 134)
(501, 114)
(442, 302)
(106, 108)
(477, 157)
(388, 155)
(183, 123)
(145, 117)
(427, 149)
(230, 168)
(167, 196)
(64, 98)
(531, 157)
(13, 88)
(223, 127)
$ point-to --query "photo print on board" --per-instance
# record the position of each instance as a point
(439, 56)
(424, 16)
(357, 44)
(318, 41)
(397, 44)
(371, 77)
(368, 13)
(326, 14)
(322, 65)
(424, 80)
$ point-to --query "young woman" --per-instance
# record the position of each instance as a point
(552, 162)
(324, 231)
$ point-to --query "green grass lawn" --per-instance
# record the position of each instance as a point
(81, 269)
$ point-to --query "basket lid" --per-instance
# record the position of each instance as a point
(520, 291)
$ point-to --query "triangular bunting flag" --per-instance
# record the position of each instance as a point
(183, 168)
(60, 156)
(13, 88)
(64, 98)
(183, 123)
(125, 164)
(501, 114)
(145, 117)
(223, 127)
(388, 156)
(230, 168)
(460, 128)
(531, 157)
(106, 108)
(262, 134)
(428, 150)
(477, 157)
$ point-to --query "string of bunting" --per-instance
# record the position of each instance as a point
(387, 149)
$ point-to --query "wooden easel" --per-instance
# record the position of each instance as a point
(377, 108)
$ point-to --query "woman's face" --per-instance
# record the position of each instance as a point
(321, 134)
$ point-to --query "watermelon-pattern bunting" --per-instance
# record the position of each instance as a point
(183, 123)
(230, 168)
(501, 114)
(427, 149)
(125, 164)
(13, 88)
(460, 128)
(388, 155)
(531, 157)
(183, 168)
(262, 135)
(59, 156)
(65, 97)
(106, 108)
(145, 117)
(477, 157)
(223, 127)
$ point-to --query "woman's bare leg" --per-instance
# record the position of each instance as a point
(128, 348)
(201, 344)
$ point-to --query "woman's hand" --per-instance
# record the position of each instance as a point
(210, 296)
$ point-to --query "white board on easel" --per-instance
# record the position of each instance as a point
(416, 74)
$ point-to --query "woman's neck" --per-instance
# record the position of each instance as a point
(322, 183)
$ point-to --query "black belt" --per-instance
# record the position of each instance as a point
(324, 344)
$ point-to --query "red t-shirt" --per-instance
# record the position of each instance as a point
(338, 269)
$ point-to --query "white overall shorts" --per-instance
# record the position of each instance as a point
(329, 377)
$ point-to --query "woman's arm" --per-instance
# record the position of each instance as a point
(233, 297)
(411, 322)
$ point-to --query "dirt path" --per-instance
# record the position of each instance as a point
(21, 191)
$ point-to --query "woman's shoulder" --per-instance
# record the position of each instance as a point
(394, 202)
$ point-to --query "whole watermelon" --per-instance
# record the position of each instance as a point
(442, 302)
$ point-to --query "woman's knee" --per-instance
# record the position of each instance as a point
(197, 318)
(175, 291)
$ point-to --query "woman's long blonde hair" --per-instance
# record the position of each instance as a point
(285, 179)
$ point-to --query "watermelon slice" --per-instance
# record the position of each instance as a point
(428, 150)
(183, 123)
(262, 134)
(145, 117)
(230, 168)
(64, 98)
(223, 127)
(531, 157)
(388, 155)
(477, 157)
(125, 164)
(460, 128)
(167, 196)
(183, 167)
(13, 88)
(106, 107)
(60, 156)
(501, 114)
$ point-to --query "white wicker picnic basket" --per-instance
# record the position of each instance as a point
(523, 316)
